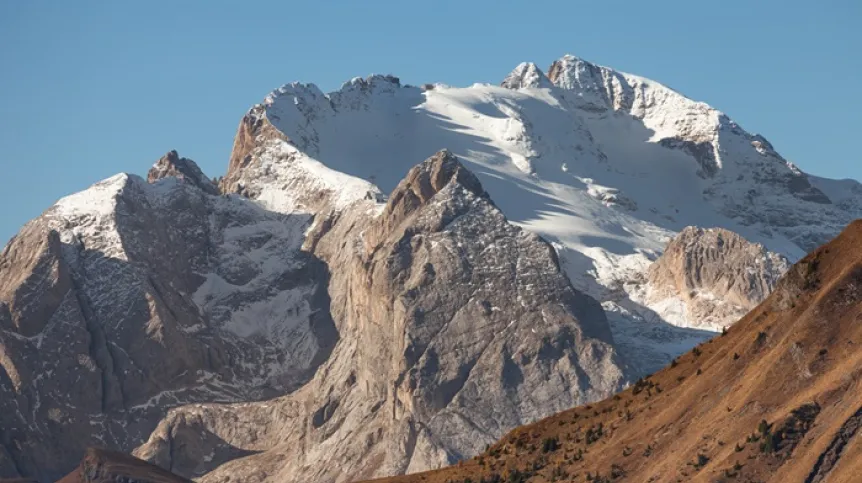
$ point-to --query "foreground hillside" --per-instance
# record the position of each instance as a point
(777, 398)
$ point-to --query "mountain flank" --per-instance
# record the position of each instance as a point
(775, 398)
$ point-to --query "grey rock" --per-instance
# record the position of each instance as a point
(132, 297)
(717, 274)
(454, 326)
(172, 165)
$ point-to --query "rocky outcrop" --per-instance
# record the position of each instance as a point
(172, 165)
(253, 128)
(435, 358)
(101, 466)
(526, 75)
(715, 275)
(267, 167)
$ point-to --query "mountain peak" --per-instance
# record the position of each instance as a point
(570, 72)
(374, 80)
(430, 176)
(172, 165)
(422, 184)
(526, 74)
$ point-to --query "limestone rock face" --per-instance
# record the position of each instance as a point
(717, 275)
(132, 297)
(382, 337)
(454, 325)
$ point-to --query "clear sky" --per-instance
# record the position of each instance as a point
(92, 88)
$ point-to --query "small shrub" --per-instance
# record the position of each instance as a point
(769, 444)
(516, 476)
(559, 473)
(550, 445)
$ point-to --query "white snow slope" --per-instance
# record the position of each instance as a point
(607, 166)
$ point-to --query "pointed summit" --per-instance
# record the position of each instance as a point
(432, 175)
(172, 165)
(422, 183)
(526, 75)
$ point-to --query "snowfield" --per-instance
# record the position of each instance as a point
(606, 166)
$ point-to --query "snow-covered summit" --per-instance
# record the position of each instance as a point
(606, 165)
(527, 74)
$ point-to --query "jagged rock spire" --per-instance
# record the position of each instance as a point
(172, 165)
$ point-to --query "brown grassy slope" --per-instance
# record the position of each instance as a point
(102, 466)
(794, 361)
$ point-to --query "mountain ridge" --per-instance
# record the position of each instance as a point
(425, 343)
(775, 398)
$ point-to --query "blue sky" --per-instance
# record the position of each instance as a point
(92, 88)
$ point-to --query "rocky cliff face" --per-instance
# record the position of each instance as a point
(713, 277)
(775, 399)
(157, 294)
(148, 295)
(434, 360)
